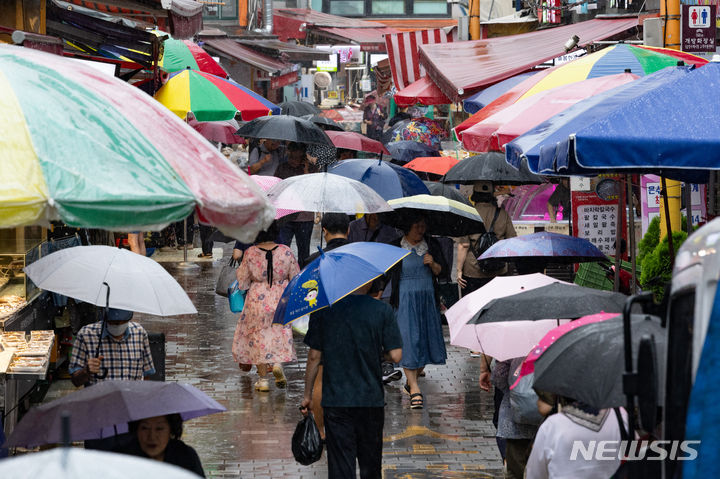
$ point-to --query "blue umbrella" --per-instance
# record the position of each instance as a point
(550, 247)
(642, 126)
(407, 150)
(334, 275)
(388, 180)
(483, 98)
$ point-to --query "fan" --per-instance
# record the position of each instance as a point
(322, 80)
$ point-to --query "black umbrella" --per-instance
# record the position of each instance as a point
(554, 301)
(587, 363)
(324, 122)
(490, 167)
(407, 150)
(441, 189)
(443, 216)
(298, 108)
(284, 128)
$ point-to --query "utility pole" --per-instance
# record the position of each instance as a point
(474, 27)
(670, 14)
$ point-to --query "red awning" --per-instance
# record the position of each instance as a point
(463, 68)
(369, 39)
(229, 48)
(423, 91)
(295, 22)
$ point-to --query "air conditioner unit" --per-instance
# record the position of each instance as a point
(322, 80)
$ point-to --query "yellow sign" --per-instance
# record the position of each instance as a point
(522, 230)
(332, 94)
(561, 228)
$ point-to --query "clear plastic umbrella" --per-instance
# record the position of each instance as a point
(326, 193)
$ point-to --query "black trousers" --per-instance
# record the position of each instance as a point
(354, 433)
(205, 233)
(473, 284)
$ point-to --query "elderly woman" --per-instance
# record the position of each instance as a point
(413, 296)
(266, 269)
(159, 438)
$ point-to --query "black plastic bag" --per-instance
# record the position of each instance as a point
(306, 443)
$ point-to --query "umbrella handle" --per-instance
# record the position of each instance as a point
(103, 373)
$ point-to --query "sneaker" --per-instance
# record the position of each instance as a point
(390, 373)
(280, 380)
(475, 354)
(262, 385)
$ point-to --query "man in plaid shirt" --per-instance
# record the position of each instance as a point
(124, 351)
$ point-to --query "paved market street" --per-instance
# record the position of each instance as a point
(452, 437)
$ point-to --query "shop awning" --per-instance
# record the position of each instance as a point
(423, 91)
(369, 39)
(293, 53)
(461, 69)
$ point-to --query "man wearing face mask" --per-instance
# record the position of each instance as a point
(124, 350)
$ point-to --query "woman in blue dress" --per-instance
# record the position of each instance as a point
(414, 298)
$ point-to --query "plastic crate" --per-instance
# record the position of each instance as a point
(592, 275)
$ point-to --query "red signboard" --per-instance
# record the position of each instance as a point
(698, 28)
(596, 220)
(282, 80)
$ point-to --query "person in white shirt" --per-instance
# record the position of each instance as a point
(552, 451)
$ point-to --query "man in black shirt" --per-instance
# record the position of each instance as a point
(335, 231)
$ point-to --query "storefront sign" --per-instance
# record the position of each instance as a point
(698, 28)
(596, 220)
(522, 230)
(282, 80)
(338, 54)
(561, 228)
(651, 198)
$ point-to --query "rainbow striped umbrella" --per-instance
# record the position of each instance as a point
(640, 60)
(90, 150)
(181, 54)
(211, 98)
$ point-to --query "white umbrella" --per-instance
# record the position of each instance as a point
(79, 463)
(136, 283)
(326, 193)
(492, 338)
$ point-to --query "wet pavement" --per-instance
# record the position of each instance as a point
(452, 436)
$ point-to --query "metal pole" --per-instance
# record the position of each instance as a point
(186, 266)
(618, 235)
(688, 208)
(631, 233)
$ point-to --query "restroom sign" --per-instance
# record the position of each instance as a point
(698, 31)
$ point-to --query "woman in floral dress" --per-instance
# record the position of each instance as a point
(266, 269)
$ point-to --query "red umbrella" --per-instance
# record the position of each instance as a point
(432, 164)
(350, 140)
(423, 91)
(223, 131)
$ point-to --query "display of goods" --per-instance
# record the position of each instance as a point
(10, 304)
(22, 364)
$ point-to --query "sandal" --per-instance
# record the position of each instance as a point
(416, 401)
(280, 380)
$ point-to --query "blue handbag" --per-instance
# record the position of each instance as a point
(236, 297)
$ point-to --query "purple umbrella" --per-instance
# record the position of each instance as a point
(549, 247)
(105, 409)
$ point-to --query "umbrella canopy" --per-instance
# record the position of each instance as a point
(640, 60)
(490, 167)
(212, 98)
(267, 182)
(137, 283)
(324, 122)
(423, 91)
(284, 128)
(350, 140)
(182, 54)
(431, 164)
(88, 464)
(495, 131)
(556, 300)
(483, 98)
(298, 108)
(222, 131)
(443, 216)
(326, 193)
(388, 180)
(468, 336)
(601, 132)
(552, 247)
(334, 275)
(407, 150)
(423, 130)
(587, 363)
(110, 404)
(528, 365)
(450, 192)
(95, 152)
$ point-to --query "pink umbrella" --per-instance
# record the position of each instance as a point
(495, 131)
(267, 182)
(528, 365)
(357, 142)
(498, 339)
(223, 131)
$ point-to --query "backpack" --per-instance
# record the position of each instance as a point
(485, 241)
